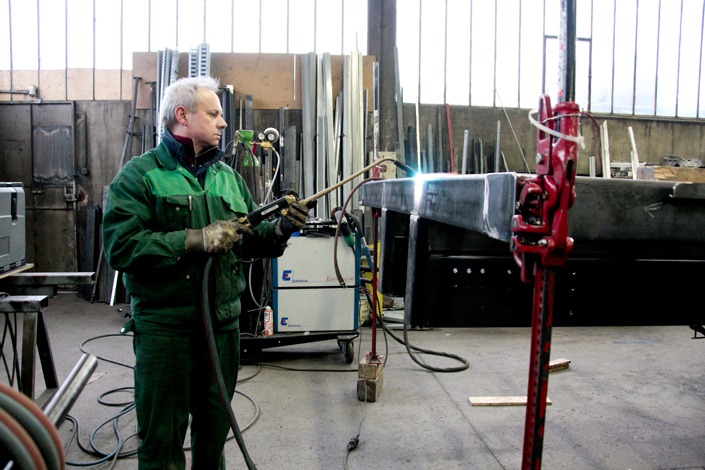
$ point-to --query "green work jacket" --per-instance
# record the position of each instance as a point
(150, 203)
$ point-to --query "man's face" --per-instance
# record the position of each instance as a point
(206, 124)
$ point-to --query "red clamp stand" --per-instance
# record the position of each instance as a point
(540, 243)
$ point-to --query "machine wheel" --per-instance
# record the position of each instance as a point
(249, 353)
(349, 351)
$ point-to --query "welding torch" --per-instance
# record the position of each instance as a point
(255, 217)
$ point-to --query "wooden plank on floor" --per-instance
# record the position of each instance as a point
(558, 364)
(501, 401)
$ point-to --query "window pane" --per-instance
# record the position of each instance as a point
(667, 61)
(583, 22)
(274, 21)
(163, 26)
(458, 74)
(246, 24)
(24, 36)
(408, 49)
(531, 54)
(191, 31)
(551, 71)
(79, 18)
(135, 30)
(219, 24)
(107, 36)
(52, 37)
(689, 58)
(646, 52)
(355, 26)
(329, 26)
(5, 34)
(481, 75)
(602, 42)
(508, 53)
(302, 27)
(582, 73)
(624, 56)
(432, 51)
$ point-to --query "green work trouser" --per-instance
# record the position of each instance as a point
(174, 377)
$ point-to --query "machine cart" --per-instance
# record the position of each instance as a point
(309, 302)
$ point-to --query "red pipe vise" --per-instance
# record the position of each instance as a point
(540, 225)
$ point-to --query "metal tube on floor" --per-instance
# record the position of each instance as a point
(61, 402)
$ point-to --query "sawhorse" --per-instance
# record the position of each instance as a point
(34, 334)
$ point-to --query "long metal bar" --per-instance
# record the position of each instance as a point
(566, 63)
(401, 151)
(541, 325)
(61, 402)
(308, 112)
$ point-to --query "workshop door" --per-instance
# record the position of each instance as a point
(37, 146)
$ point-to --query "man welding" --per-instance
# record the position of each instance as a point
(168, 211)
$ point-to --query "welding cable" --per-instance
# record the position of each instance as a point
(464, 363)
(338, 226)
(17, 442)
(409, 347)
(117, 453)
(274, 178)
(35, 422)
(215, 362)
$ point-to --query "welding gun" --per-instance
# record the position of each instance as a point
(255, 217)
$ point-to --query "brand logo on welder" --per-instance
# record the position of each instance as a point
(286, 274)
(284, 321)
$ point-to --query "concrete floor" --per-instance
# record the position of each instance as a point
(632, 398)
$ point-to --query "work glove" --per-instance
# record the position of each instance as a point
(292, 219)
(216, 238)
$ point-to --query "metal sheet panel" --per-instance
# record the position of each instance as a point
(610, 217)
(483, 203)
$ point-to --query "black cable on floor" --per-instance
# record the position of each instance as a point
(128, 406)
(409, 347)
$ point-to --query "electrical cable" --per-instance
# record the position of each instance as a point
(405, 342)
(117, 453)
(215, 362)
(274, 178)
(464, 363)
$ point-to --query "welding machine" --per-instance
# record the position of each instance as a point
(12, 226)
(308, 294)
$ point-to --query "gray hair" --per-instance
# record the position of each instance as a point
(183, 93)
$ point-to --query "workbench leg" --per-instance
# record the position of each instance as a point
(416, 255)
(45, 356)
(29, 340)
(34, 334)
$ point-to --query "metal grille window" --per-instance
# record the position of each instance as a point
(641, 57)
